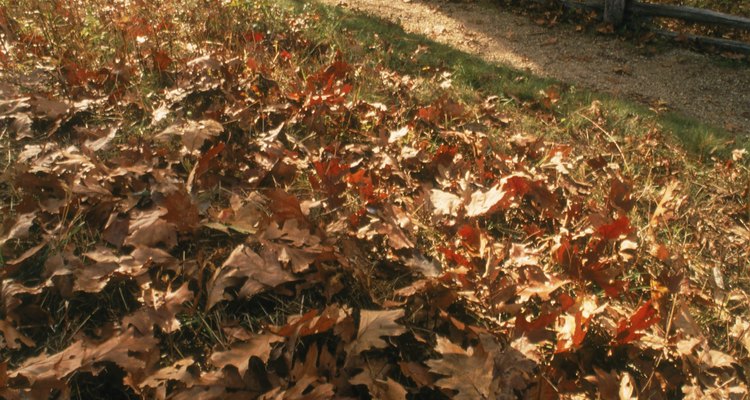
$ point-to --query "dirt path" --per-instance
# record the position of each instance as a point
(680, 79)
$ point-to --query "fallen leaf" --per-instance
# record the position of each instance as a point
(13, 338)
(372, 326)
(250, 271)
(176, 372)
(445, 203)
(500, 196)
(20, 229)
(470, 373)
(50, 370)
(239, 354)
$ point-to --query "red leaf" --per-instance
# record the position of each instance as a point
(470, 236)
(203, 163)
(162, 61)
(455, 257)
(285, 206)
(252, 36)
(444, 155)
(251, 64)
(330, 173)
(541, 322)
(331, 74)
(643, 318)
(614, 230)
(363, 183)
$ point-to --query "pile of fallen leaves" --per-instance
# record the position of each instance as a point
(253, 228)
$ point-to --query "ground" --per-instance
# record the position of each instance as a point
(213, 199)
(692, 83)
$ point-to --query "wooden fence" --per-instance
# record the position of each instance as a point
(617, 11)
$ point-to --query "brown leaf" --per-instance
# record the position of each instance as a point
(419, 263)
(285, 206)
(397, 134)
(193, 133)
(149, 229)
(607, 382)
(53, 369)
(116, 230)
(312, 322)
(175, 372)
(20, 229)
(160, 309)
(51, 109)
(243, 215)
(181, 210)
(240, 353)
(104, 142)
(416, 372)
(372, 326)
(293, 245)
(31, 252)
(203, 164)
(246, 268)
(716, 359)
(470, 373)
(620, 194)
(396, 237)
(374, 377)
(13, 338)
(21, 126)
(573, 326)
(663, 207)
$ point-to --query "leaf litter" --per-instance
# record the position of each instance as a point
(271, 235)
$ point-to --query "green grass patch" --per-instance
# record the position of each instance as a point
(376, 42)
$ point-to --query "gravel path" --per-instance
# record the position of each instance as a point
(679, 79)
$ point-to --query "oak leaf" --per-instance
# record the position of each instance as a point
(445, 203)
(374, 377)
(160, 309)
(470, 373)
(193, 133)
(148, 228)
(20, 228)
(239, 354)
(13, 338)
(245, 268)
(372, 326)
(629, 329)
(293, 245)
(179, 371)
(314, 322)
(52, 369)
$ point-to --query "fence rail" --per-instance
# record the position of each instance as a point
(617, 11)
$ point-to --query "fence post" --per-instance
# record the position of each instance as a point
(614, 11)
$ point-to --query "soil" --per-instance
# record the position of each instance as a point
(695, 84)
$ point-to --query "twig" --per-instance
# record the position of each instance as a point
(609, 136)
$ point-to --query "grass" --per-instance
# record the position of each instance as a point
(378, 42)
